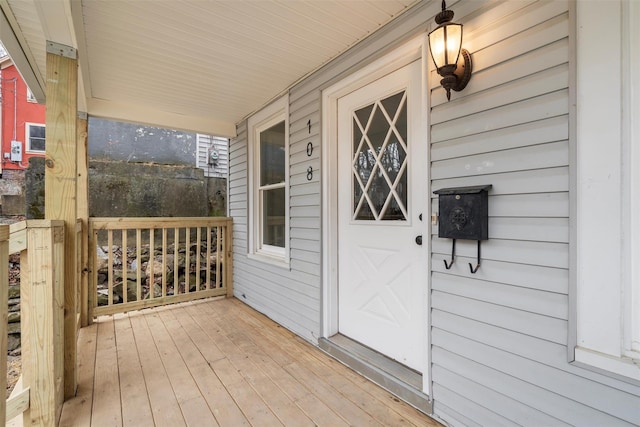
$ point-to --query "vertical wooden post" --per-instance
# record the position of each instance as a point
(42, 318)
(61, 182)
(228, 265)
(93, 280)
(4, 298)
(82, 194)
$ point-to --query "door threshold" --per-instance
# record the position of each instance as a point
(394, 377)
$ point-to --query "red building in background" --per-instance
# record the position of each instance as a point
(23, 121)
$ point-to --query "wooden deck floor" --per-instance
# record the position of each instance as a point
(218, 362)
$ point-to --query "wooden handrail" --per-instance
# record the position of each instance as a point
(18, 237)
(18, 404)
(156, 222)
(184, 258)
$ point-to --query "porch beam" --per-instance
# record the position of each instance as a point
(61, 193)
(17, 47)
(144, 114)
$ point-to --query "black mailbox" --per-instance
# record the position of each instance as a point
(464, 213)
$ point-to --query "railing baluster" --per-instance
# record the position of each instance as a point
(123, 258)
(176, 256)
(110, 266)
(198, 253)
(93, 283)
(164, 262)
(208, 278)
(219, 255)
(139, 264)
(151, 264)
(187, 259)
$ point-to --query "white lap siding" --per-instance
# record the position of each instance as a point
(499, 337)
(289, 296)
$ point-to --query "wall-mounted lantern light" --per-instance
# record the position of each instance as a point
(452, 62)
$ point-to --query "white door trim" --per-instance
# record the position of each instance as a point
(412, 50)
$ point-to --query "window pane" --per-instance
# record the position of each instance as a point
(37, 131)
(273, 220)
(272, 152)
(36, 144)
(36, 138)
(30, 96)
(381, 165)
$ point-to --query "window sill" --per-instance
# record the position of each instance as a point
(623, 368)
(276, 261)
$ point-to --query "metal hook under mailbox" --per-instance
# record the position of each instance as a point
(453, 256)
(473, 270)
(449, 264)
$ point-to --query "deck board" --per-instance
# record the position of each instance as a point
(136, 408)
(77, 412)
(106, 382)
(164, 405)
(218, 362)
(199, 358)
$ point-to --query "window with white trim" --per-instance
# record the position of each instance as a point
(268, 182)
(35, 137)
(30, 96)
(607, 288)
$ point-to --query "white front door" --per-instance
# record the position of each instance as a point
(382, 209)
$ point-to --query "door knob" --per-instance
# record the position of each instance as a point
(419, 240)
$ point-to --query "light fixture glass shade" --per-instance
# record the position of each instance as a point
(445, 43)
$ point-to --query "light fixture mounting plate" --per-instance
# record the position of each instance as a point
(463, 70)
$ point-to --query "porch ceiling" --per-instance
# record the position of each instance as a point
(189, 64)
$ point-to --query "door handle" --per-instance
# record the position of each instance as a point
(419, 240)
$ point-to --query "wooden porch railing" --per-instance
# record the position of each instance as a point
(146, 262)
(41, 247)
(182, 258)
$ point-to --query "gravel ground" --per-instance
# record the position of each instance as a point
(14, 365)
(14, 359)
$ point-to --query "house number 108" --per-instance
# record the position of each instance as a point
(309, 153)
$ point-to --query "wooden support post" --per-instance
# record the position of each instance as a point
(42, 317)
(61, 182)
(228, 265)
(82, 194)
(93, 280)
(4, 298)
